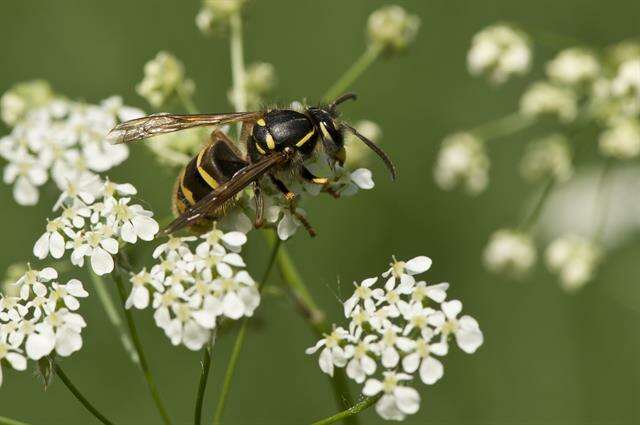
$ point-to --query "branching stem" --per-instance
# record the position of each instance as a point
(358, 68)
(350, 412)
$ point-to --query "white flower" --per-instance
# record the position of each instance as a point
(431, 369)
(360, 354)
(462, 161)
(622, 140)
(573, 66)
(544, 98)
(465, 329)
(390, 342)
(139, 297)
(164, 77)
(52, 241)
(398, 400)
(33, 282)
(511, 252)
(365, 294)
(405, 270)
(332, 353)
(26, 173)
(83, 187)
(392, 28)
(133, 221)
(68, 293)
(575, 260)
(499, 51)
(547, 157)
(11, 354)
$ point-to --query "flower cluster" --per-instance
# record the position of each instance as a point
(462, 162)
(395, 332)
(392, 28)
(96, 218)
(499, 51)
(57, 138)
(40, 318)
(510, 252)
(214, 15)
(259, 80)
(582, 88)
(164, 79)
(574, 259)
(192, 289)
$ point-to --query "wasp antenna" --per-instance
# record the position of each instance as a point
(376, 149)
(343, 98)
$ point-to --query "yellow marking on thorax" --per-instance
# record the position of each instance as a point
(271, 144)
(262, 152)
(186, 192)
(261, 122)
(306, 138)
(203, 173)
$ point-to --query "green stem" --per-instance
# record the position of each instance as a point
(502, 127)
(356, 70)
(531, 219)
(144, 365)
(206, 366)
(78, 395)
(350, 412)
(113, 316)
(8, 421)
(237, 346)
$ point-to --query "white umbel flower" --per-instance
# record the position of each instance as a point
(622, 140)
(11, 354)
(510, 252)
(403, 326)
(573, 66)
(544, 98)
(549, 157)
(575, 259)
(392, 28)
(16, 103)
(499, 51)
(462, 161)
(627, 80)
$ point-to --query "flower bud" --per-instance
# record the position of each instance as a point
(392, 28)
(499, 51)
(16, 102)
(574, 258)
(164, 77)
(510, 252)
(573, 66)
(543, 98)
(215, 14)
(622, 140)
(545, 158)
(462, 161)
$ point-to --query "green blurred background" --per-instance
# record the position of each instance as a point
(548, 357)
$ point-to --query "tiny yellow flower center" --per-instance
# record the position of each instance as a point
(363, 292)
(390, 383)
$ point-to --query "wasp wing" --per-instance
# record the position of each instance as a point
(153, 125)
(226, 191)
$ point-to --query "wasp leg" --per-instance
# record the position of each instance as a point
(257, 195)
(291, 200)
(308, 176)
(288, 195)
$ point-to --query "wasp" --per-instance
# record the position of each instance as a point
(275, 140)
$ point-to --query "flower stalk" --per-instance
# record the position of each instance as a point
(238, 71)
(113, 316)
(9, 421)
(204, 376)
(350, 412)
(502, 127)
(77, 394)
(532, 217)
(144, 365)
(370, 55)
(237, 346)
